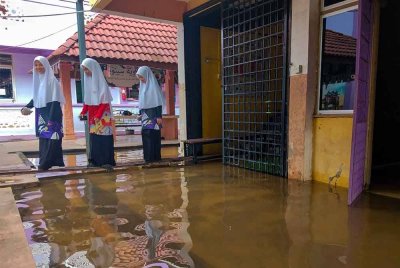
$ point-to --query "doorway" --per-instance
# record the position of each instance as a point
(385, 175)
(249, 38)
(254, 84)
(202, 28)
(211, 93)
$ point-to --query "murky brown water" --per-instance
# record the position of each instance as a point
(207, 215)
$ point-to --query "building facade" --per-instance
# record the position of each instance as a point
(119, 50)
(16, 89)
(295, 88)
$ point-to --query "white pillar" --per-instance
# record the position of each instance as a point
(182, 126)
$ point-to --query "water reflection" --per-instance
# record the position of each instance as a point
(162, 238)
(206, 215)
(338, 61)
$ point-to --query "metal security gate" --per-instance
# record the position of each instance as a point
(254, 84)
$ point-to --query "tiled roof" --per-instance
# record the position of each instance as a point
(120, 38)
(338, 44)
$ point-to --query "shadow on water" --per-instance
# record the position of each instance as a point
(207, 215)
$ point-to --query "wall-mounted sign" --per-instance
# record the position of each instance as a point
(121, 75)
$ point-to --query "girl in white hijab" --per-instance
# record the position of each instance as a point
(47, 100)
(151, 101)
(97, 107)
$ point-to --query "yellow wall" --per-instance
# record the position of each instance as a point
(195, 3)
(99, 3)
(332, 148)
(211, 93)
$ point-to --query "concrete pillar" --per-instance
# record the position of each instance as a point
(65, 80)
(170, 92)
(182, 126)
(304, 53)
(170, 122)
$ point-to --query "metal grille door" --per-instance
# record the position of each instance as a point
(254, 84)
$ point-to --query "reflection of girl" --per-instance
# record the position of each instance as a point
(162, 239)
(155, 225)
(97, 101)
(47, 100)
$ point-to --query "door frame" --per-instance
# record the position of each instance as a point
(371, 109)
(362, 100)
(191, 24)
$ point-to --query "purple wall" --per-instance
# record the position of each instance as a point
(22, 64)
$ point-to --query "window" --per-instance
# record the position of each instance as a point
(133, 92)
(338, 61)
(6, 78)
(78, 90)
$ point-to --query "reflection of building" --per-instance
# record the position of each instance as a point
(337, 71)
(339, 57)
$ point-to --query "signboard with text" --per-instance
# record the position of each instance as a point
(122, 75)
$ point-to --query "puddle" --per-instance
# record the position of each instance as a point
(207, 215)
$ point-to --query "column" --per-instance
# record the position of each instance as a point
(65, 80)
(170, 92)
(170, 121)
(182, 124)
(303, 86)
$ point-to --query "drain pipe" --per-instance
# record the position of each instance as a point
(82, 55)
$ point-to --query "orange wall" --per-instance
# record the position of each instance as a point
(195, 3)
(171, 10)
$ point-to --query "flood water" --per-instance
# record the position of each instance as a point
(207, 215)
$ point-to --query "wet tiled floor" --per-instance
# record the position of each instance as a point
(80, 160)
(206, 215)
(121, 157)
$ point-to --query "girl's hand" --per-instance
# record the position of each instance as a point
(26, 111)
(159, 121)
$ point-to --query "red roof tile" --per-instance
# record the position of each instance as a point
(338, 44)
(116, 37)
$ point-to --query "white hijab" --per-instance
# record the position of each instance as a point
(45, 86)
(150, 93)
(95, 86)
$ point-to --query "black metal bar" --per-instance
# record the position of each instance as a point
(194, 153)
(80, 21)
